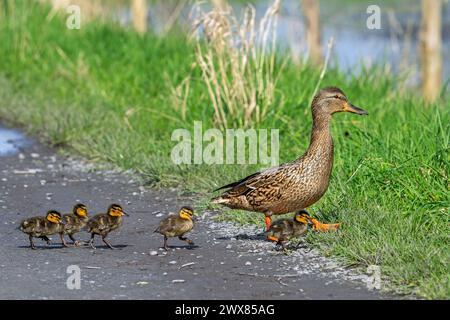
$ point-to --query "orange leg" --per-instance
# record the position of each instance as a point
(268, 221)
(319, 226)
(272, 238)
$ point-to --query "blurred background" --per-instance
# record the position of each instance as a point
(112, 80)
(413, 39)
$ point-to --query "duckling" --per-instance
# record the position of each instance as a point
(285, 229)
(74, 222)
(298, 184)
(104, 223)
(177, 226)
(41, 227)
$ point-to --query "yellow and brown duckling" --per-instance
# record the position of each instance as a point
(42, 227)
(295, 185)
(73, 223)
(177, 226)
(102, 224)
(284, 230)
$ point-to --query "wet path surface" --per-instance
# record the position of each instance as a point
(228, 261)
(11, 141)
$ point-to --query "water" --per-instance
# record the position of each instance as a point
(11, 141)
(395, 45)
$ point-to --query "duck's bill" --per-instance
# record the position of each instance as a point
(126, 214)
(354, 109)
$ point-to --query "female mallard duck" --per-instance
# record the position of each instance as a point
(285, 229)
(177, 225)
(295, 185)
(104, 223)
(74, 222)
(41, 227)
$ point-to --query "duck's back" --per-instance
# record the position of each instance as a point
(39, 226)
(103, 222)
(73, 223)
(285, 229)
(174, 226)
(282, 229)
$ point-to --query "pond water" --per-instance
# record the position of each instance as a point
(395, 45)
(11, 141)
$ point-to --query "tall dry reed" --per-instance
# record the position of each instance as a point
(237, 60)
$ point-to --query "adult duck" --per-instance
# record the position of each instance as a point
(295, 185)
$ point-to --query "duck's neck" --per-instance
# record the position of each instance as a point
(321, 143)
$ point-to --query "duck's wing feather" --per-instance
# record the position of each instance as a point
(167, 225)
(270, 177)
(281, 229)
(236, 183)
(98, 223)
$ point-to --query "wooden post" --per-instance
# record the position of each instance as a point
(139, 12)
(311, 12)
(430, 49)
(220, 5)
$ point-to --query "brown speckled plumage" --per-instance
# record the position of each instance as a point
(41, 227)
(284, 230)
(177, 225)
(174, 226)
(102, 224)
(295, 185)
(74, 223)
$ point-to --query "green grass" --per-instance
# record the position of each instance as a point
(390, 184)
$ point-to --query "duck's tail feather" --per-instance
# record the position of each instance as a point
(219, 200)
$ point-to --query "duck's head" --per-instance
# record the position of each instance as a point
(302, 217)
(331, 100)
(186, 213)
(80, 210)
(116, 210)
(53, 216)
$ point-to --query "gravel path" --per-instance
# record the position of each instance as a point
(228, 261)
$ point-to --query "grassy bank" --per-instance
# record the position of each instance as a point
(106, 93)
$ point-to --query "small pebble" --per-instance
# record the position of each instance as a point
(178, 281)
